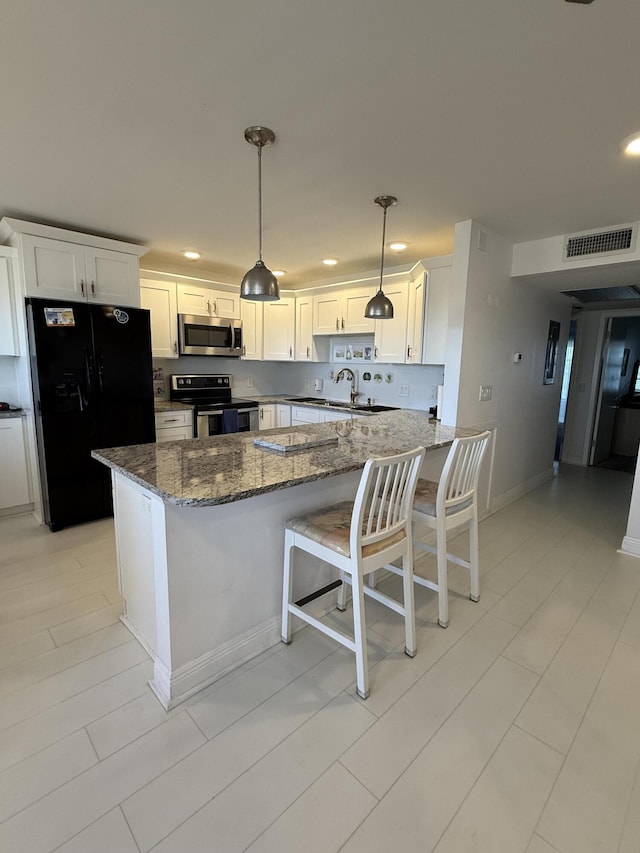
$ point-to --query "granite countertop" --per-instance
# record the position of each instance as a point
(223, 469)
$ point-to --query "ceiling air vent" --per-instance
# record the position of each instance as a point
(611, 241)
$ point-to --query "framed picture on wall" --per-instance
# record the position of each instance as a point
(551, 357)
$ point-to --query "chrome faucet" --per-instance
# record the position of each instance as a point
(351, 376)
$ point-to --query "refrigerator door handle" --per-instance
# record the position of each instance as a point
(100, 370)
(88, 366)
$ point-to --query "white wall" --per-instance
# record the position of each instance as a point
(495, 316)
(297, 378)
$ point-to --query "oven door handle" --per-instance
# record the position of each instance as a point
(250, 409)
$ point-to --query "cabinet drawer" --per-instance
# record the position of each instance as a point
(178, 433)
(181, 417)
(300, 414)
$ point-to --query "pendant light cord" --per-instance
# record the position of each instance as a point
(384, 228)
(260, 200)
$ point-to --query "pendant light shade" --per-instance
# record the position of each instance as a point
(260, 284)
(380, 306)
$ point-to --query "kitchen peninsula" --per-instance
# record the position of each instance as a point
(200, 534)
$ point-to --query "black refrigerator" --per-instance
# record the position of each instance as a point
(92, 381)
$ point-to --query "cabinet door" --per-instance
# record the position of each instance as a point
(415, 321)
(251, 314)
(283, 415)
(335, 416)
(327, 314)
(225, 304)
(391, 335)
(353, 319)
(174, 434)
(267, 417)
(194, 300)
(279, 324)
(436, 316)
(54, 269)
(8, 331)
(112, 277)
(14, 482)
(304, 415)
(159, 297)
(304, 328)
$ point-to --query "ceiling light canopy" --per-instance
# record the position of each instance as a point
(191, 254)
(330, 262)
(380, 307)
(260, 284)
(631, 145)
(397, 245)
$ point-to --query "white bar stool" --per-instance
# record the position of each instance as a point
(446, 505)
(358, 537)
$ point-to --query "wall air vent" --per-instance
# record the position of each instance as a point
(590, 243)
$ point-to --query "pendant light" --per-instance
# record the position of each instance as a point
(380, 307)
(260, 283)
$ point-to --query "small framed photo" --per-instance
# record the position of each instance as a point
(358, 352)
(339, 352)
(368, 354)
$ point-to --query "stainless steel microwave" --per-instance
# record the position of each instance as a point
(209, 335)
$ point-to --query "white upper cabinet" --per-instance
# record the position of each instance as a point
(304, 328)
(436, 316)
(279, 329)
(391, 335)
(342, 312)
(8, 318)
(69, 265)
(415, 319)
(159, 297)
(207, 302)
(251, 314)
(57, 269)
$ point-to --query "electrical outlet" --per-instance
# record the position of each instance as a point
(485, 393)
(307, 383)
(249, 381)
(404, 391)
(433, 392)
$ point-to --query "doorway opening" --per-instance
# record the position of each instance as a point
(564, 393)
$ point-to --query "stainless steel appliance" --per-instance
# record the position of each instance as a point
(216, 412)
(209, 335)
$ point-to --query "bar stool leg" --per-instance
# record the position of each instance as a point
(342, 594)
(409, 604)
(443, 584)
(360, 636)
(474, 568)
(287, 587)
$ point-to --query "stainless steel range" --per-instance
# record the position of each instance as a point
(216, 412)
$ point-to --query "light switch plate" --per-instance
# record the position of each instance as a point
(485, 393)
(404, 391)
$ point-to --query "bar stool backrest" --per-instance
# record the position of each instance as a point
(460, 474)
(384, 499)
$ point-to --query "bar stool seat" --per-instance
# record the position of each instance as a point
(358, 537)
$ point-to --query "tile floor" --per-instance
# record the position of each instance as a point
(516, 729)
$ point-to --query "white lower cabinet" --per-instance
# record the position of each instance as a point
(267, 416)
(306, 415)
(283, 415)
(174, 425)
(14, 482)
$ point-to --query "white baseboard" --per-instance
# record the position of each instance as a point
(22, 509)
(173, 687)
(630, 546)
(500, 502)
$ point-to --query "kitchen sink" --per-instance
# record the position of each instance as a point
(320, 400)
(374, 408)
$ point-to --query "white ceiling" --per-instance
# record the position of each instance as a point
(126, 118)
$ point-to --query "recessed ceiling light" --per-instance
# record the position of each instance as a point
(279, 273)
(631, 145)
(330, 262)
(397, 245)
(191, 254)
